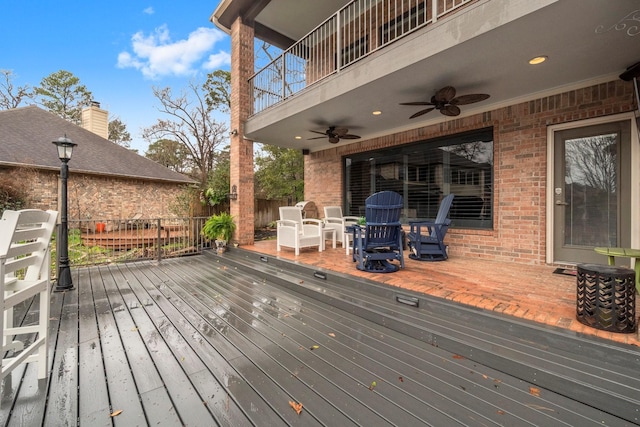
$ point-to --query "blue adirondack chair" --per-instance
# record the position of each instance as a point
(426, 238)
(380, 240)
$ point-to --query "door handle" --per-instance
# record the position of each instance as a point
(561, 203)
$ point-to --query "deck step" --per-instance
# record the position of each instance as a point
(593, 371)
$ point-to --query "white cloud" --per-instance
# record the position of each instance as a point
(217, 60)
(156, 55)
(149, 11)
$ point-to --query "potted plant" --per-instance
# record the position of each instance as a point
(220, 228)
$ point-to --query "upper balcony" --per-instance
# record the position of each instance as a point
(352, 33)
(344, 59)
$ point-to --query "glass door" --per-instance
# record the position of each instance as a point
(591, 191)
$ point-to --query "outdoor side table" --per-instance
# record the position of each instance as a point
(328, 233)
(606, 297)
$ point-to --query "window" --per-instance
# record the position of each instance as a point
(354, 51)
(423, 173)
(404, 23)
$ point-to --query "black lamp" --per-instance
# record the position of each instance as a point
(64, 283)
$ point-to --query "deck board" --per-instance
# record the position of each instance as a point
(123, 394)
(373, 359)
(223, 390)
(313, 367)
(94, 406)
(200, 342)
(62, 407)
(236, 336)
(183, 398)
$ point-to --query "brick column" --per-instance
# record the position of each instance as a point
(241, 155)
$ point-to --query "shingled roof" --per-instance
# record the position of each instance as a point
(26, 136)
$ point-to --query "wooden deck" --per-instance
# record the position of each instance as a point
(232, 340)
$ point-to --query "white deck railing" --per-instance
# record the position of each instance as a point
(352, 33)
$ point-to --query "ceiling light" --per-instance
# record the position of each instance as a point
(298, 137)
(376, 113)
(537, 60)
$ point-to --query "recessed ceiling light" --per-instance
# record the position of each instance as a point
(376, 113)
(538, 60)
(298, 137)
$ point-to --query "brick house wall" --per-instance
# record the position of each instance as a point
(93, 197)
(520, 162)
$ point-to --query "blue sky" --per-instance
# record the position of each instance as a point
(118, 49)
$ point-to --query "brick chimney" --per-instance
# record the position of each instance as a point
(96, 120)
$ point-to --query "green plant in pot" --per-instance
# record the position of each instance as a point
(220, 228)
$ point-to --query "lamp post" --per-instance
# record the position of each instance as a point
(64, 283)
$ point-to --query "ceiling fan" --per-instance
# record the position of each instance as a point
(446, 102)
(335, 134)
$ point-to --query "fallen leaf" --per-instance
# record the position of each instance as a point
(500, 412)
(301, 282)
(535, 391)
(457, 356)
(314, 347)
(296, 406)
(373, 385)
(134, 329)
(116, 413)
(401, 379)
(332, 335)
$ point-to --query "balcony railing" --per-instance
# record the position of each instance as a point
(354, 32)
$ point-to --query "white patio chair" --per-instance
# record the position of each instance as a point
(295, 232)
(333, 218)
(25, 259)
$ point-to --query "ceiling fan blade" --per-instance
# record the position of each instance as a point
(317, 137)
(334, 139)
(469, 99)
(421, 112)
(350, 136)
(320, 133)
(445, 94)
(450, 110)
(417, 103)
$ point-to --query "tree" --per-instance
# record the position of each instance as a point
(190, 123)
(118, 133)
(218, 88)
(61, 93)
(169, 153)
(10, 96)
(280, 173)
(219, 181)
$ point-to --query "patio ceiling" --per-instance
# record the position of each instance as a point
(586, 42)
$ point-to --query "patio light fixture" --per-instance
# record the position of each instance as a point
(234, 192)
(538, 60)
(64, 282)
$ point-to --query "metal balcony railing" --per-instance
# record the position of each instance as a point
(94, 242)
(354, 32)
